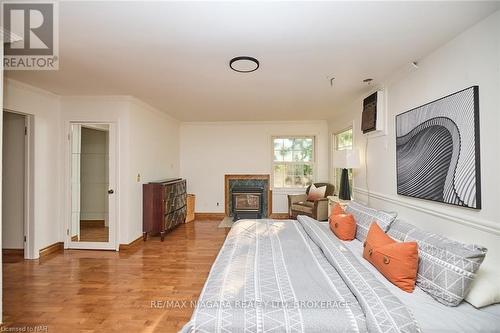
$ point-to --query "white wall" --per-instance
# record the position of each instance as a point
(44, 106)
(148, 145)
(94, 174)
(211, 150)
(13, 181)
(153, 144)
(472, 58)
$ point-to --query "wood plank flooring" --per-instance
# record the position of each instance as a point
(101, 291)
(93, 233)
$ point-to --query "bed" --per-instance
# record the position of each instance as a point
(296, 276)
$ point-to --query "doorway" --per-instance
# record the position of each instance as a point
(92, 173)
(14, 183)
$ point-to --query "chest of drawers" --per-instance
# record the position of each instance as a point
(164, 206)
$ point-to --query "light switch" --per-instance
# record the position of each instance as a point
(138, 177)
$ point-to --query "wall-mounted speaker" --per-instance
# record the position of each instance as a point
(373, 119)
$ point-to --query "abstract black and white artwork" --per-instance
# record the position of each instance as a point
(437, 150)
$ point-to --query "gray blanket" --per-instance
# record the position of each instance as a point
(293, 276)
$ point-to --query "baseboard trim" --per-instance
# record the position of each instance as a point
(476, 223)
(133, 243)
(17, 252)
(220, 216)
(93, 223)
(209, 216)
(280, 216)
(53, 248)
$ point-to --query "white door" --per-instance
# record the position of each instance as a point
(92, 223)
(76, 131)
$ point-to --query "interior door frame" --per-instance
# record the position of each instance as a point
(113, 243)
(29, 193)
(29, 188)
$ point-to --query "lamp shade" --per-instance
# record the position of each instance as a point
(346, 159)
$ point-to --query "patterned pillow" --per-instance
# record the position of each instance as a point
(365, 216)
(446, 268)
(316, 193)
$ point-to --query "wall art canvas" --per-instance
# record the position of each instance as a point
(437, 150)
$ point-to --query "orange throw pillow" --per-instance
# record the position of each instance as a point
(337, 210)
(398, 262)
(343, 226)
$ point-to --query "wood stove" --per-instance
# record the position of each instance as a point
(247, 202)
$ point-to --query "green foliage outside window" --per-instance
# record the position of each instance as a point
(293, 161)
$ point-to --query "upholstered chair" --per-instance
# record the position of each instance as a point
(317, 209)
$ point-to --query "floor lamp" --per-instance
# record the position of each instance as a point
(345, 159)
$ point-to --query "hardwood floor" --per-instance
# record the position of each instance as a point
(101, 291)
(93, 233)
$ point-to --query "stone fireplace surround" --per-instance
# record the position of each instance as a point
(249, 180)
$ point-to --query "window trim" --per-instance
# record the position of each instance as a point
(313, 162)
(345, 129)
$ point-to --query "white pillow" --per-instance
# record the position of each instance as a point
(316, 193)
(485, 289)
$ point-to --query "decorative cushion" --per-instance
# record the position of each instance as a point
(446, 268)
(337, 209)
(485, 289)
(365, 216)
(316, 193)
(398, 262)
(343, 226)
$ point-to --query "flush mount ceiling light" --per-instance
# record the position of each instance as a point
(244, 64)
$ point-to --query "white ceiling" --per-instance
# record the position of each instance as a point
(175, 56)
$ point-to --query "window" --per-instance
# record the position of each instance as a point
(342, 140)
(293, 162)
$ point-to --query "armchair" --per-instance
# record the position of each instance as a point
(318, 209)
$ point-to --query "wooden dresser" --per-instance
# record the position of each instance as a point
(164, 206)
